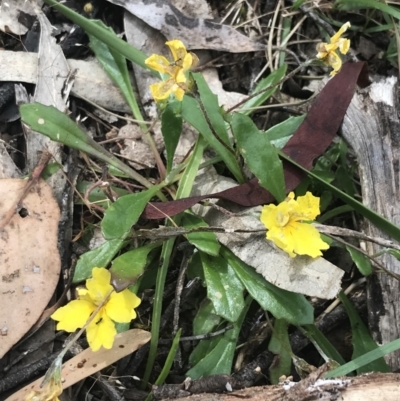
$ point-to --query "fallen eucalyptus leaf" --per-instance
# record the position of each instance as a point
(29, 259)
(88, 362)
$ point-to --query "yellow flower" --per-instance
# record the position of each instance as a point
(51, 386)
(177, 81)
(119, 307)
(287, 229)
(327, 51)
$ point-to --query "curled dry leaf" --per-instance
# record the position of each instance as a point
(29, 259)
(88, 362)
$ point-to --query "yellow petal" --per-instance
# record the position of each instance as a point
(74, 315)
(282, 240)
(189, 61)
(178, 92)
(178, 50)
(120, 306)
(308, 206)
(267, 217)
(307, 241)
(335, 62)
(160, 64)
(99, 285)
(340, 32)
(162, 90)
(101, 333)
(344, 46)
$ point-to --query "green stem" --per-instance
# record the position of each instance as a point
(184, 189)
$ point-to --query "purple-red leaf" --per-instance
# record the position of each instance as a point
(310, 141)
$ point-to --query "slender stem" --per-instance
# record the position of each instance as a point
(290, 75)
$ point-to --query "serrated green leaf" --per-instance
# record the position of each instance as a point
(193, 114)
(224, 289)
(261, 157)
(171, 128)
(362, 340)
(211, 109)
(128, 267)
(283, 304)
(125, 212)
(98, 257)
(204, 241)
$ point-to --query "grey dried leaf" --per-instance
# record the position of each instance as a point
(195, 33)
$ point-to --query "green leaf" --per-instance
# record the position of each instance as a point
(195, 268)
(377, 5)
(334, 212)
(171, 128)
(365, 359)
(125, 212)
(361, 261)
(54, 124)
(395, 253)
(98, 257)
(315, 335)
(114, 64)
(203, 349)
(261, 157)
(206, 320)
(128, 267)
(362, 340)
(204, 241)
(280, 133)
(280, 346)
(219, 352)
(283, 304)
(170, 359)
(107, 37)
(193, 114)
(258, 100)
(211, 109)
(224, 289)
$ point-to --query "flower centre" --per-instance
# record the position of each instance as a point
(282, 219)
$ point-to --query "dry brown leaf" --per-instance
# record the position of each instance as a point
(13, 15)
(91, 82)
(29, 259)
(195, 33)
(88, 362)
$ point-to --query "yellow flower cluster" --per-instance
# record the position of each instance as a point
(176, 70)
(327, 52)
(116, 307)
(288, 228)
